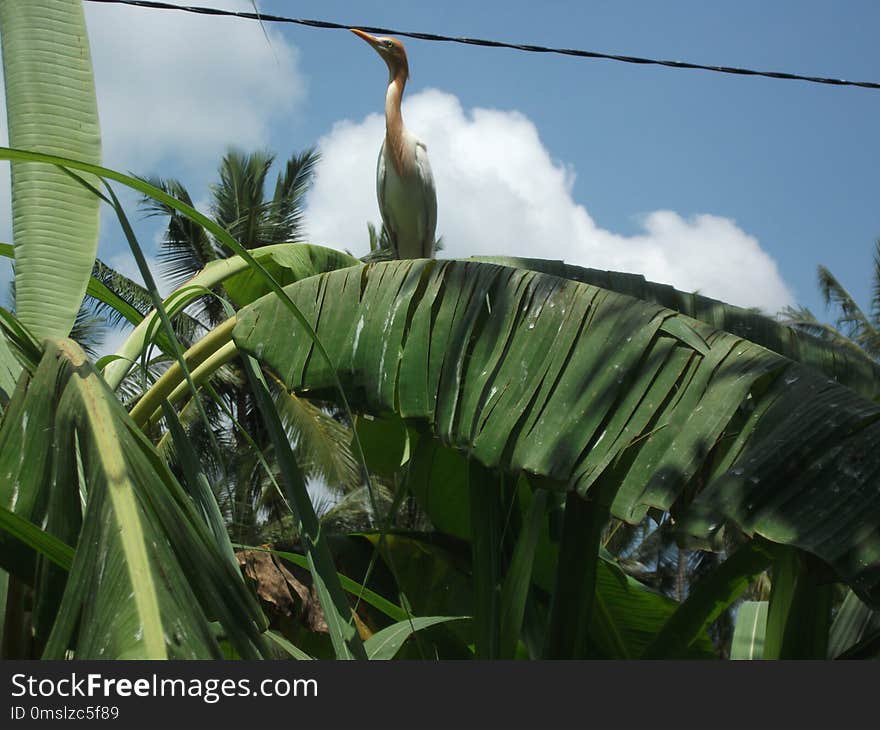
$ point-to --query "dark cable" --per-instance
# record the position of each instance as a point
(493, 44)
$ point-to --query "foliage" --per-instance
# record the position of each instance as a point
(855, 329)
(533, 418)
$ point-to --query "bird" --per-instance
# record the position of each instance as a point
(404, 181)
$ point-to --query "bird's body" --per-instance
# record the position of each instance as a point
(404, 181)
(407, 201)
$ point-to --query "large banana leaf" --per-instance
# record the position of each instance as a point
(147, 576)
(849, 367)
(51, 107)
(576, 384)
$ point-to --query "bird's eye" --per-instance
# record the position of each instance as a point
(388, 44)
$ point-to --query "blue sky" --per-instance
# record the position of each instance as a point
(736, 186)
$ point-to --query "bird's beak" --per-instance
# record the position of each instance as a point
(372, 40)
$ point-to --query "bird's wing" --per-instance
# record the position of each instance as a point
(381, 180)
(426, 177)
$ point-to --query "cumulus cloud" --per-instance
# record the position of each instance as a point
(179, 87)
(499, 192)
(174, 90)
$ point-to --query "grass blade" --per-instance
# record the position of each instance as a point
(750, 630)
(517, 582)
(41, 541)
(337, 613)
(386, 643)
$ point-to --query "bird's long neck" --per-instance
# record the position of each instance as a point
(394, 129)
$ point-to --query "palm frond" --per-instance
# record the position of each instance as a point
(125, 288)
(803, 320)
(88, 331)
(852, 321)
(238, 199)
(323, 444)
(186, 248)
(875, 288)
(285, 213)
(350, 514)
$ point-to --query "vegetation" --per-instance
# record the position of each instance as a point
(855, 328)
(534, 443)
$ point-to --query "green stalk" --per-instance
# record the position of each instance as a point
(484, 490)
(151, 401)
(572, 603)
(200, 374)
(799, 616)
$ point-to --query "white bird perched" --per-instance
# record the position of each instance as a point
(404, 182)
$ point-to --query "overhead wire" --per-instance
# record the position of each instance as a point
(530, 48)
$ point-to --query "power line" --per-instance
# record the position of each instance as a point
(493, 44)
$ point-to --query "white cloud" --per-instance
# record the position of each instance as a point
(179, 88)
(175, 87)
(499, 192)
(174, 90)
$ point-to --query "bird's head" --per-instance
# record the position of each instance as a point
(391, 50)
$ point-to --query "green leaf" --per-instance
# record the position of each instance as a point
(851, 368)
(287, 646)
(750, 630)
(853, 622)
(323, 444)
(51, 106)
(146, 573)
(196, 483)
(572, 383)
(575, 587)
(235, 274)
(486, 490)
(518, 580)
(26, 445)
(287, 263)
(386, 643)
(39, 540)
(799, 614)
(337, 613)
(627, 615)
(10, 369)
(708, 598)
(438, 480)
(385, 442)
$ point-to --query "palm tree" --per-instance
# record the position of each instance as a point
(239, 203)
(854, 328)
